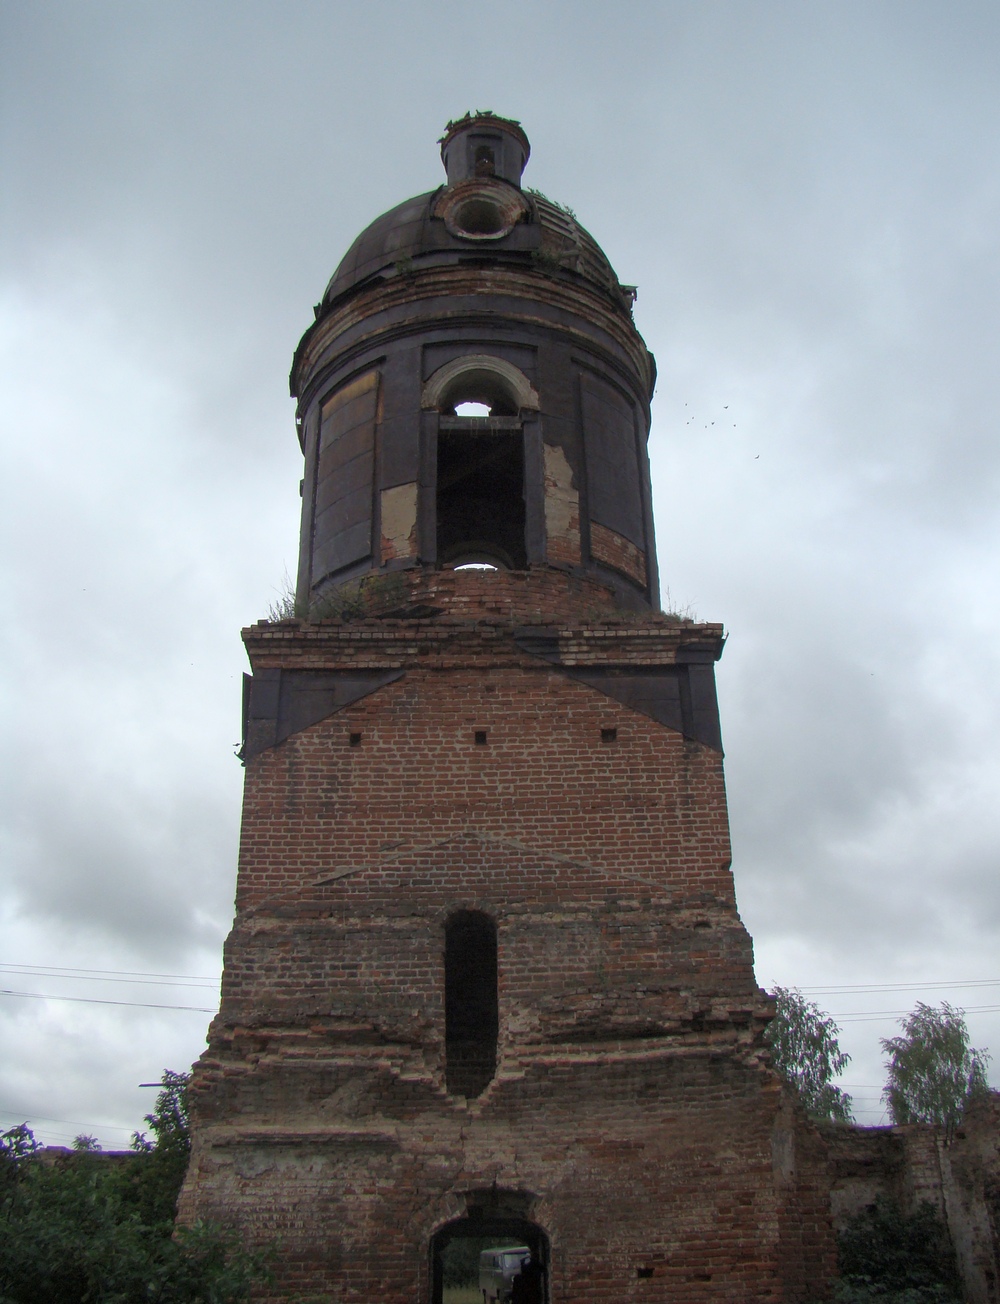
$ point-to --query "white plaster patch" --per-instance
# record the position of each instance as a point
(399, 521)
(562, 507)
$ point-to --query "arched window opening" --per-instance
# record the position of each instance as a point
(485, 390)
(480, 494)
(485, 161)
(494, 1253)
(483, 378)
(471, 1017)
(480, 504)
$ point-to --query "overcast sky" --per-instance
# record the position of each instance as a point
(807, 196)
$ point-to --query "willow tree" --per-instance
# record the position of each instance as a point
(806, 1052)
(932, 1071)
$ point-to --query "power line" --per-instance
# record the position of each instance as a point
(94, 1000)
(108, 975)
(890, 987)
(70, 1122)
(141, 976)
(871, 1016)
(134, 973)
(144, 982)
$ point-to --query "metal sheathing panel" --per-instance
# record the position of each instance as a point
(279, 703)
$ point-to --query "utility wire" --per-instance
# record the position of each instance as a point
(108, 975)
(862, 1016)
(95, 1000)
(70, 1122)
(890, 987)
(139, 976)
(137, 982)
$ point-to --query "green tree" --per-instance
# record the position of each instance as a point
(152, 1181)
(805, 1051)
(932, 1071)
(87, 1228)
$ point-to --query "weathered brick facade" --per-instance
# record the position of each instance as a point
(527, 757)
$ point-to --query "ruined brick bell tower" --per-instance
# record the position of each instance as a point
(487, 978)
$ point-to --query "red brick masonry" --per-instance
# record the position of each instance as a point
(631, 1114)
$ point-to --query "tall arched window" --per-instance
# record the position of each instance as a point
(470, 1002)
(480, 501)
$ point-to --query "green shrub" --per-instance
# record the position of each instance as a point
(88, 1228)
(890, 1257)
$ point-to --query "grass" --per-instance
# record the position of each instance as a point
(461, 1295)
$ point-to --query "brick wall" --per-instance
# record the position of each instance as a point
(617, 551)
(632, 1112)
(539, 595)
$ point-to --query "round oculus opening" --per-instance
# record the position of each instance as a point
(480, 216)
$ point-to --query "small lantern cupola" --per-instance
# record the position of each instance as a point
(482, 145)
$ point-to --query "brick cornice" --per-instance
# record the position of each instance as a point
(402, 644)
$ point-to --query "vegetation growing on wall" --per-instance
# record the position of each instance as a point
(372, 595)
(892, 1258)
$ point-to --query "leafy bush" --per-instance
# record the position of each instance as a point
(88, 1228)
(892, 1258)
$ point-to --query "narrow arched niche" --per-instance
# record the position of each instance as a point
(471, 1013)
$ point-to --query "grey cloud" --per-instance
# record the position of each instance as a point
(807, 198)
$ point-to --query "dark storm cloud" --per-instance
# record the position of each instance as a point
(807, 196)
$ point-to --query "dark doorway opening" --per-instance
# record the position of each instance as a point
(471, 1016)
(456, 1249)
(480, 494)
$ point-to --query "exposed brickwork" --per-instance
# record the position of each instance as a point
(398, 519)
(537, 596)
(684, 1188)
(616, 551)
(630, 1100)
(639, 808)
(562, 510)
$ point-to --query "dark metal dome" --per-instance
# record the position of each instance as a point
(421, 233)
(475, 392)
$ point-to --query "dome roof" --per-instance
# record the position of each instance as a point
(449, 224)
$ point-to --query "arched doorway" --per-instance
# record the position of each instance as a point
(456, 1247)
